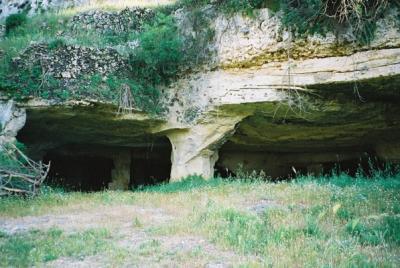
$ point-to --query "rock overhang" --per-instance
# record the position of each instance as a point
(317, 95)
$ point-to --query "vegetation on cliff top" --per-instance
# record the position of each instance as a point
(163, 53)
(155, 63)
(313, 16)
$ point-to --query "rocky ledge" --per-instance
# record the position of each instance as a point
(304, 113)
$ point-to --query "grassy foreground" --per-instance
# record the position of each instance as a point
(309, 222)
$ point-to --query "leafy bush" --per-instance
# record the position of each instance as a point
(157, 61)
(14, 21)
(159, 56)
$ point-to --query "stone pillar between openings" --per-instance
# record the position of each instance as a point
(195, 150)
(121, 174)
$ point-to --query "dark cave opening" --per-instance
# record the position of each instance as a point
(79, 172)
(88, 168)
(287, 165)
(151, 165)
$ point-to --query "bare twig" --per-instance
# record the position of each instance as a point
(21, 175)
(295, 100)
(126, 101)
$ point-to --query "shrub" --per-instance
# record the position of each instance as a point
(159, 56)
(56, 43)
(15, 20)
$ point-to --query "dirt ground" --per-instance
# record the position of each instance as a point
(172, 250)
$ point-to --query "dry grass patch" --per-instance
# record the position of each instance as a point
(334, 222)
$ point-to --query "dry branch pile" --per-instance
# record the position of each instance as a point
(346, 10)
(19, 174)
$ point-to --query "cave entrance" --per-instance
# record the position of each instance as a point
(151, 165)
(80, 167)
(234, 160)
(79, 172)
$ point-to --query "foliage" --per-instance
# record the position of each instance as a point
(15, 20)
(155, 63)
(28, 249)
(56, 43)
(29, 80)
(376, 231)
(145, 97)
(315, 16)
(231, 6)
(243, 174)
(187, 184)
(334, 220)
(312, 16)
(159, 56)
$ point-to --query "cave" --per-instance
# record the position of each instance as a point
(286, 149)
(80, 172)
(283, 165)
(93, 148)
(151, 164)
(88, 167)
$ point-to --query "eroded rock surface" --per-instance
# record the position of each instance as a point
(330, 102)
(12, 119)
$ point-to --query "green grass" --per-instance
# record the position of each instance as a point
(331, 221)
(35, 247)
(49, 201)
(334, 221)
(158, 61)
(164, 55)
(188, 184)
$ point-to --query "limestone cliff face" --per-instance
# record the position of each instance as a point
(266, 100)
(12, 119)
(280, 99)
